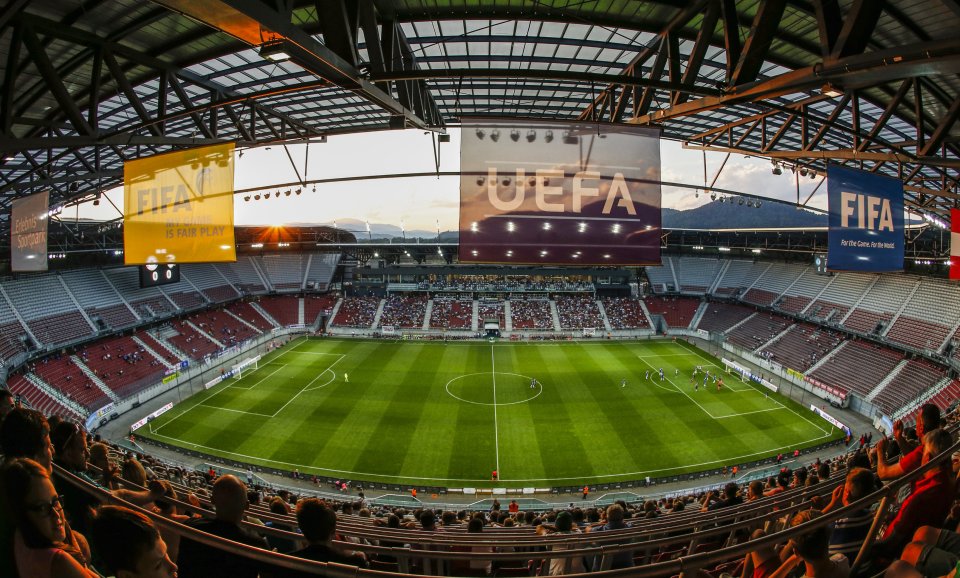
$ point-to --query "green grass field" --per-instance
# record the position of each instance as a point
(448, 414)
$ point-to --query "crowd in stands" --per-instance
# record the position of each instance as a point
(624, 313)
(493, 283)
(56, 522)
(578, 312)
(451, 314)
(531, 314)
(357, 312)
(404, 311)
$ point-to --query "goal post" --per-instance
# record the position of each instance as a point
(245, 367)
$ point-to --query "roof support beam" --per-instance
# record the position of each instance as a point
(942, 130)
(731, 36)
(857, 28)
(829, 24)
(339, 26)
(53, 81)
(762, 32)
(695, 61)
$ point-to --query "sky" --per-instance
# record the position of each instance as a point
(429, 203)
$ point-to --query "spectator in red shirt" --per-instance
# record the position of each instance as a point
(928, 420)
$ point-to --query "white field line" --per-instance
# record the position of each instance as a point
(329, 368)
(496, 431)
(269, 375)
(233, 410)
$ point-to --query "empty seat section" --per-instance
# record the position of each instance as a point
(189, 341)
(916, 377)
(285, 309)
(723, 316)
(48, 310)
(808, 286)
(451, 314)
(625, 313)
(757, 330)
(407, 311)
(357, 312)
(223, 327)
(122, 364)
(39, 400)
(245, 311)
(802, 346)
(696, 275)
(578, 312)
(322, 268)
(184, 295)
(61, 373)
(738, 276)
(209, 281)
(284, 270)
(880, 304)
(947, 396)
(242, 274)
(148, 302)
(531, 314)
(661, 278)
(314, 305)
(98, 298)
(772, 283)
(837, 299)
(676, 312)
(857, 367)
(928, 317)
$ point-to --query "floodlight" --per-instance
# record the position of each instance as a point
(713, 196)
(721, 199)
(480, 181)
(776, 169)
(506, 181)
(495, 135)
(740, 201)
(515, 135)
(548, 137)
(480, 133)
(266, 195)
(287, 192)
(275, 51)
(749, 202)
(299, 190)
(830, 90)
(532, 135)
(803, 171)
(256, 197)
(571, 139)
(533, 181)
(757, 203)
(246, 198)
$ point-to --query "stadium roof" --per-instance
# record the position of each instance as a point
(90, 83)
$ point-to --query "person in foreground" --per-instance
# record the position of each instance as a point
(128, 545)
(44, 546)
(319, 526)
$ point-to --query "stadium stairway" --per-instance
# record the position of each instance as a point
(264, 313)
(776, 337)
(507, 319)
(555, 315)
(56, 395)
(378, 314)
(16, 313)
(241, 320)
(673, 273)
(333, 313)
(96, 380)
(475, 318)
(426, 316)
(819, 294)
(149, 349)
(739, 323)
(826, 357)
(603, 315)
(162, 337)
(903, 306)
(886, 381)
(698, 315)
(197, 328)
(923, 398)
(716, 281)
(646, 314)
(300, 314)
(856, 304)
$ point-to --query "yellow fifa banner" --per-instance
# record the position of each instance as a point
(178, 207)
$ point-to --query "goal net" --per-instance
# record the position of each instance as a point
(245, 367)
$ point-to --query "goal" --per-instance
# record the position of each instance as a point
(245, 366)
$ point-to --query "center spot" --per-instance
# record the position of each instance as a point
(478, 388)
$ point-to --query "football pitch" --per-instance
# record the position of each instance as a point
(448, 414)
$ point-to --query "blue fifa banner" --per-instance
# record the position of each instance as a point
(563, 193)
(866, 221)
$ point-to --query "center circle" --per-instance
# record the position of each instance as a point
(494, 388)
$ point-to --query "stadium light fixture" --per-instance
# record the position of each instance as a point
(606, 256)
(256, 197)
(532, 135)
(495, 135)
(511, 227)
(582, 228)
(830, 90)
(723, 249)
(546, 226)
(713, 196)
(299, 190)
(698, 247)
(246, 198)
(757, 203)
(571, 139)
(480, 181)
(740, 201)
(286, 193)
(755, 251)
(515, 135)
(548, 137)
(505, 182)
(480, 133)
(776, 168)
(275, 51)
(266, 195)
(376, 254)
(803, 171)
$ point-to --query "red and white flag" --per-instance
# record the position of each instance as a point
(955, 243)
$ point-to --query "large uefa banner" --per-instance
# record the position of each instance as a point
(29, 218)
(178, 207)
(559, 193)
(866, 221)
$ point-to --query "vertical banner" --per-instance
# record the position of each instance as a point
(955, 244)
(178, 207)
(866, 221)
(29, 218)
(559, 193)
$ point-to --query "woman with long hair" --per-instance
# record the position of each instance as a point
(44, 546)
